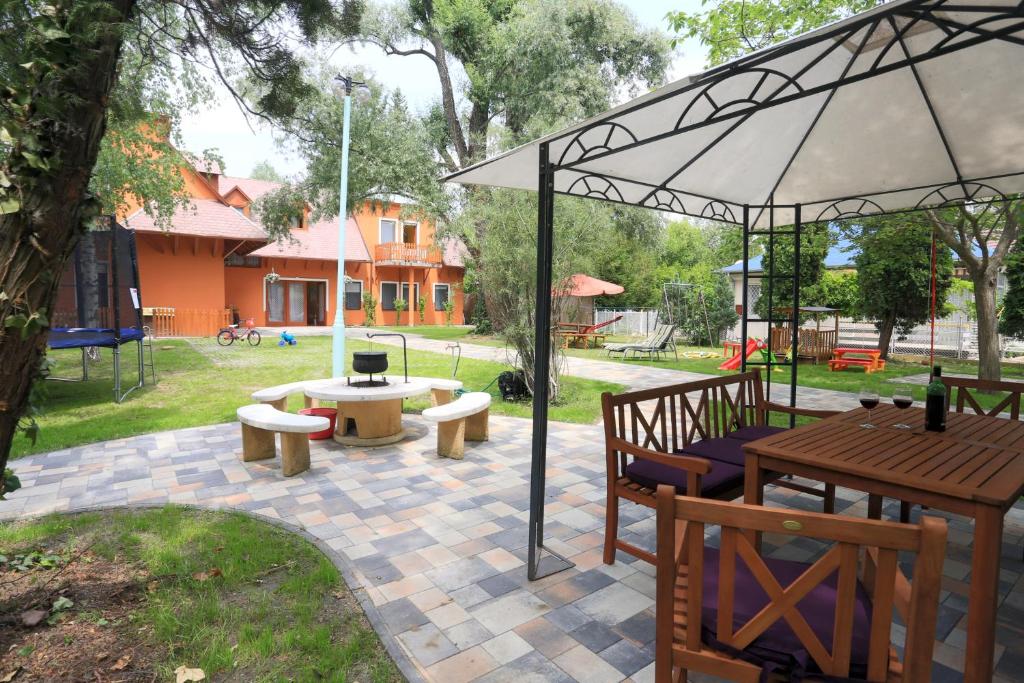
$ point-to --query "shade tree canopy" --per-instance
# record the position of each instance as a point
(61, 64)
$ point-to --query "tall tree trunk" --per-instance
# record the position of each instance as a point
(36, 241)
(885, 328)
(988, 335)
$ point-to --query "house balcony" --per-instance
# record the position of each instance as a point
(403, 254)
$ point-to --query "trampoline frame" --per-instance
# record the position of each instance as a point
(116, 341)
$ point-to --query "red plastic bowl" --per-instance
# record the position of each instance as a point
(330, 413)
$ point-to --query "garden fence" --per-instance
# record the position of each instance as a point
(635, 322)
(955, 337)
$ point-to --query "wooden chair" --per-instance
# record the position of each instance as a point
(690, 435)
(959, 398)
(732, 614)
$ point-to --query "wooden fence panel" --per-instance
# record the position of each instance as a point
(186, 322)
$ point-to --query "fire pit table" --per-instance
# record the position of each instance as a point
(376, 410)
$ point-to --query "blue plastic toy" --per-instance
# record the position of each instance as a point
(287, 338)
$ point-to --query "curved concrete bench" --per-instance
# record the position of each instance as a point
(259, 423)
(278, 396)
(464, 418)
(441, 390)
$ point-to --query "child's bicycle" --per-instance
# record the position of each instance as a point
(228, 335)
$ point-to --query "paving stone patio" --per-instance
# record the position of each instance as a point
(435, 549)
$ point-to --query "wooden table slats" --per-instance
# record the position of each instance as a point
(974, 468)
(976, 458)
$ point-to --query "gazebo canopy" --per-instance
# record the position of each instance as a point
(915, 103)
(581, 285)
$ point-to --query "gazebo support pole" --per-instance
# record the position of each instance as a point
(745, 298)
(542, 562)
(795, 319)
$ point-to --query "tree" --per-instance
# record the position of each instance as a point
(265, 170)
(1011, 321)
(59, 62)
(780, 260)
(980, 236)
(526, 60)
(894, 274)
(388, 155)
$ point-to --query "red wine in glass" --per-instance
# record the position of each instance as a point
(869, 403)
(869, 399)
(902, 402)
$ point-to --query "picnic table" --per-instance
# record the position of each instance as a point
(845, 356)
(376, 411)
(975, 468)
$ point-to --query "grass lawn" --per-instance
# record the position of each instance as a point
(201, 383)
(819, 376)
(143, 589)
(439, 332)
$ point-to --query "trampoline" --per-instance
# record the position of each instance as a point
(99, 304)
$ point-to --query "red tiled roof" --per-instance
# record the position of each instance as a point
(253, 189)
(319, 242)
(204, 218)
(454, 252)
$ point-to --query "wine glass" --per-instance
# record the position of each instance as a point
(902, 399)
(869, 399)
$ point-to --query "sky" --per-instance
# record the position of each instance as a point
(244, 143)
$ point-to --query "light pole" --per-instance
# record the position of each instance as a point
(343, 87)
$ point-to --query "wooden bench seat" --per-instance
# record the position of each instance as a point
(441, 390)
(261, 421)
(462, 419)
(277, 396)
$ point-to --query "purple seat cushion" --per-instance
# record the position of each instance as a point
(754, 432)
(778, 648)
(729, 451)
(722, 477)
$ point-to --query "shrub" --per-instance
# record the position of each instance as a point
(370, 309)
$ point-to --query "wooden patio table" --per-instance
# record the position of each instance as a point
(975, 468)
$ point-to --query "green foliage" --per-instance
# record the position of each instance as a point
(264, 170)
(815, 241)
(400, 306)
(369, 309)
(389, 155)
(449, 310)
(421, 308)
(1011, 321)
(894, 271)
(530, 65)
(733, 28)
(839, 289)
(35, 559)
(9, 483)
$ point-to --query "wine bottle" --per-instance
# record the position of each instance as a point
(935, 403)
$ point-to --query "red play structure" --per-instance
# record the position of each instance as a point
(753, 345)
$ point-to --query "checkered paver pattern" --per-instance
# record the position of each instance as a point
(435, 548)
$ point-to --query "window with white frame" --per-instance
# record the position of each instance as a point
(353, 295)
(410, 303)
(388, 230)
(442, 291)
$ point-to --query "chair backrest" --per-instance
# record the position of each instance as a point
(888, 588)
(668, 418)
(959, 396)
(665, 338)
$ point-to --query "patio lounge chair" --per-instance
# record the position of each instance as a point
(661, 341)
(690, 435)
(622, 347)
(733, 614)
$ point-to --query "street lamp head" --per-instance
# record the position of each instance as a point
(344, 86)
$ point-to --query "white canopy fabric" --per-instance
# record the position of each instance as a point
(915, 103)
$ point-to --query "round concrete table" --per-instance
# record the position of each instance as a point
(376, 411)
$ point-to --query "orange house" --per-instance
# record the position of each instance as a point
(216, 264)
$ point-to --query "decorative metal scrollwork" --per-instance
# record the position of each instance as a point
(596, 186)
(848, 208)
(603, 137)
(664, 200)
(955, 193)
(765, 85)
(718, 211)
